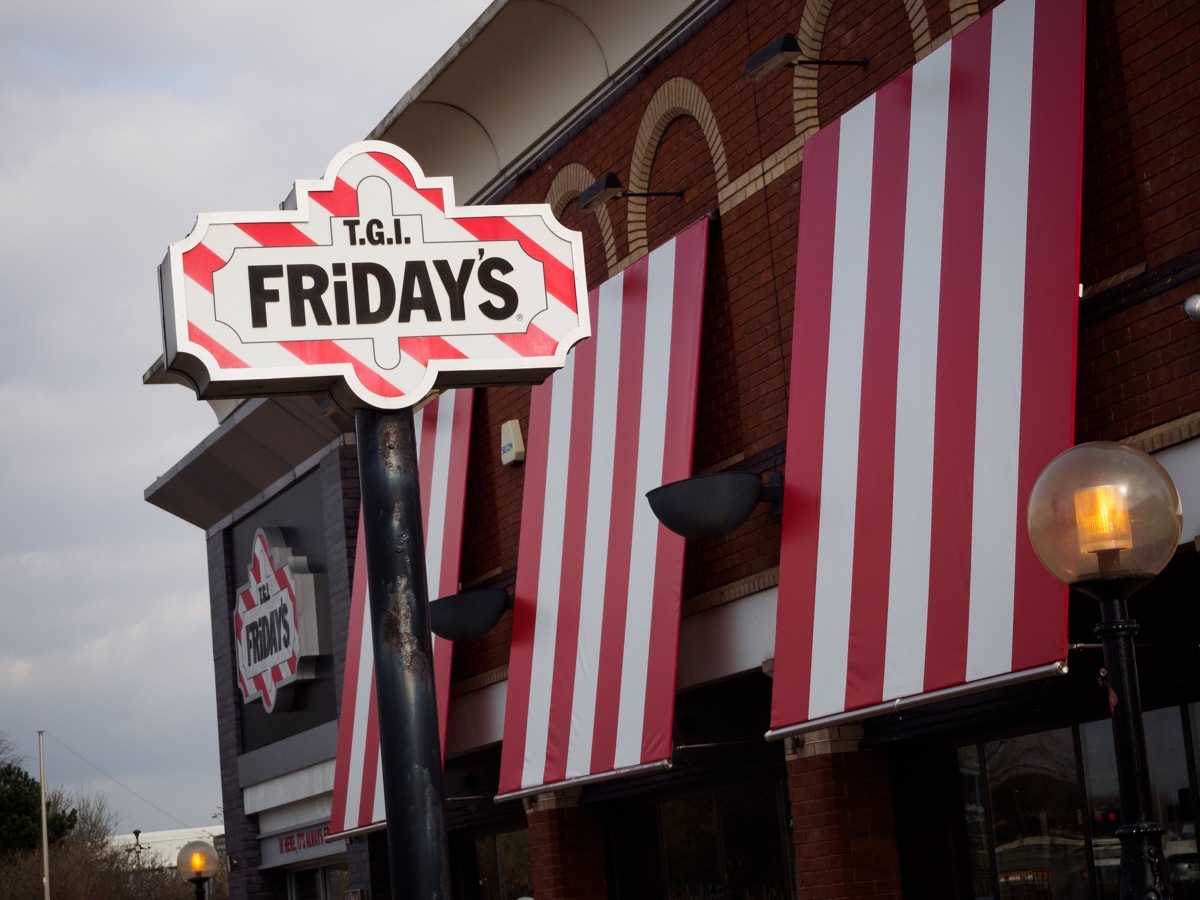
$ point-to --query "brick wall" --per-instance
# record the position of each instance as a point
(1138, 354)
(566, 849)
(843, 824)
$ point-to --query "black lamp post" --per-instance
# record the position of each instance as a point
(197, 863)
(1105, 519)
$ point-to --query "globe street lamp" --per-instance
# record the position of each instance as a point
(1105, 519)
(197, 863)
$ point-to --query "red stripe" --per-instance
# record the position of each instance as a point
(423, 349)
(371, 750)
(570, 589)
(691, 255)
(224, 358)
(350, 708)
(957, 364)
(276, 234)
(400, 170)
(199, 263)
(341, 201)
(425, 455)
(877, 405)
(1051, 308)
(560, 280)
(329, 352)
(534, 342)
(455, 491)
(520, 653)
(630, 378)
(806, 428)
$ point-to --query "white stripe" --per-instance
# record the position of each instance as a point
(378, 807)
(435, 536)
(839, 466)
(558, 457)
(651, 436)
(916, 380)
(1001, 325)
(360, 707)
(606, 443)
(418, 428)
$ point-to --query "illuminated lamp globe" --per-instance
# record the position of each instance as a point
(197, 861)
(1104, 518)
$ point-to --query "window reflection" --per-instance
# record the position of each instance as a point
(1170, 800)
(1029, 822)
(1037, 817)
(974, 809)
(503, 865)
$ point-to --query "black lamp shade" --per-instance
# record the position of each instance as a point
(469, 614)
(707, 505)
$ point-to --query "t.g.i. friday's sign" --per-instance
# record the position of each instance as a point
(373, 284)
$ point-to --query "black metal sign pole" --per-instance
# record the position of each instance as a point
(408, 726)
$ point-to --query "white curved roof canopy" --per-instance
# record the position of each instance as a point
(523, 73)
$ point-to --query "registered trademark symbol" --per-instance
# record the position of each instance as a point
(520, 318)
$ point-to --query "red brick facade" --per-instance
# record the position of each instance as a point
(842, 821)
(566, 848)
(734, 146)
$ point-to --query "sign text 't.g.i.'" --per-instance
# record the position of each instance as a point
(372, 284)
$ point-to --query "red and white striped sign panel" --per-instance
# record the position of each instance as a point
(443, 429)
(274, 619)
(591, 678)
(373, 285)
(933, 371)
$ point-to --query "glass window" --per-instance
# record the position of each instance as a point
(691, 848)
(503, 865)
(1037, 817)
(1170, 799)
(750, 841)
(726, 843)
(337, 881)
(304, 885)
(974, 809)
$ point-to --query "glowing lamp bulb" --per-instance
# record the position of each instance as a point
(1102, 516)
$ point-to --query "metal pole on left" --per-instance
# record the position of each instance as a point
(396, 582)
(45, 833)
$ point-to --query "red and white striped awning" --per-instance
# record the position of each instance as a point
(591, 685)
(933, 372)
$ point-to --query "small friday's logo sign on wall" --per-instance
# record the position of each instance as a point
(274, 622)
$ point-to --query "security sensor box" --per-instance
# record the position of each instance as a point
(512, 444)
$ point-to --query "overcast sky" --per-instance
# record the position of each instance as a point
(119, 122)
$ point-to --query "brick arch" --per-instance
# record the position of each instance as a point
(962, 14)
(676, 99)
(571, 181)
(811, 38)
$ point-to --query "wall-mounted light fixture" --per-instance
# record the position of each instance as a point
(608, 187)
(468, 614)
(713, 505)
(785, 51)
